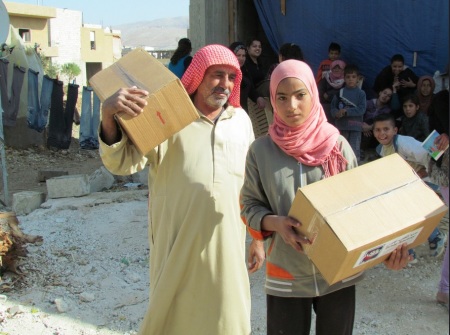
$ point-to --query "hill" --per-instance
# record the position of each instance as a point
(162, 34)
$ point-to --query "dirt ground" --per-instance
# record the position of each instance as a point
(90, 274)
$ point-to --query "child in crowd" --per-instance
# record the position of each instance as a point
(411, 150)
(302, 148)
(414, 123)
(425, 89)
(348, 108)
(334, 52)
(329, 86)
(398, 75)
(374, 107)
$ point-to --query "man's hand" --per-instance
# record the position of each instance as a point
(399, 258)
(256, 256)
(128, 100)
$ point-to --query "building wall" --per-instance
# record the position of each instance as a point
(208, 23)
(65, 33)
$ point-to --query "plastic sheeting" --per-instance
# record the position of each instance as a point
(369, 32)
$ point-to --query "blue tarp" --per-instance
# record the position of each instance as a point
(369, 32)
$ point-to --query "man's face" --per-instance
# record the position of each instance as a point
(215, 88)
(384, 131)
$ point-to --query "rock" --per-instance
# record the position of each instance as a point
(87, 297)
(61, 305)
(18, 309)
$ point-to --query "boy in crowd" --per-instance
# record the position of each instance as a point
(334, 52)
(411, 150)
(348, 108)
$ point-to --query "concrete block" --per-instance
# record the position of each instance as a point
(100, 180)
(141, 176)
(27, 201)
(75, 185)
(43, 175)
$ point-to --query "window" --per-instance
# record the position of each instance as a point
(25, 34)
(92, 38)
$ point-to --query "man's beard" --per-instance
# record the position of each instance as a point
(215, 102)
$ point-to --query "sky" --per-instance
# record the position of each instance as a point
(115, 12)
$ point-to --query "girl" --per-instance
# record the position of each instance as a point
(414, 123)
(301, 148)
(330, 85)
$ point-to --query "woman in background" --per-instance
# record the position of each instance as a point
(181, 57)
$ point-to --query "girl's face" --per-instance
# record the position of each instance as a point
(385, 96)
(410, 108)
(337, 71)
(254, 50)
(396, 67)
(293, 101)
(425, 89)
(240, 55)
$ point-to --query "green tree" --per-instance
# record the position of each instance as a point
(70, 70)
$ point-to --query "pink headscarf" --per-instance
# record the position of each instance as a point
(336, 81)
(314, 142)
(207, 56)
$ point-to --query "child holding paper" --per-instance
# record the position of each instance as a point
(301, 148)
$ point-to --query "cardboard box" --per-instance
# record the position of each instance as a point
(358, 217)
(169, 107)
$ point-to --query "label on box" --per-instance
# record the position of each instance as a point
(387, 247)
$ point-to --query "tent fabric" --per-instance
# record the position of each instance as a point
(369, 32)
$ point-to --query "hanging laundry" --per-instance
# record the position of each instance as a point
(38, 109)
(60, 120)
(11, 104)
(90, 119)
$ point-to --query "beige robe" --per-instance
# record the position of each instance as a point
(198, 278)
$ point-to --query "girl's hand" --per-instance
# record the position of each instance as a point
(399, 258)
(256, 256)
(285, 227)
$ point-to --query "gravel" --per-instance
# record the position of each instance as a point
(90, 277)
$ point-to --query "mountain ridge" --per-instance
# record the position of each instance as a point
(161, 34)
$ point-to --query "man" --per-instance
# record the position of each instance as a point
(198, 279)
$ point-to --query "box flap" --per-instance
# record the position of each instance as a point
(359, 184)
(136, 68)
(385, 214)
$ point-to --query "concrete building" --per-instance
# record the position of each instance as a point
(62, 36)
(59, 34)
